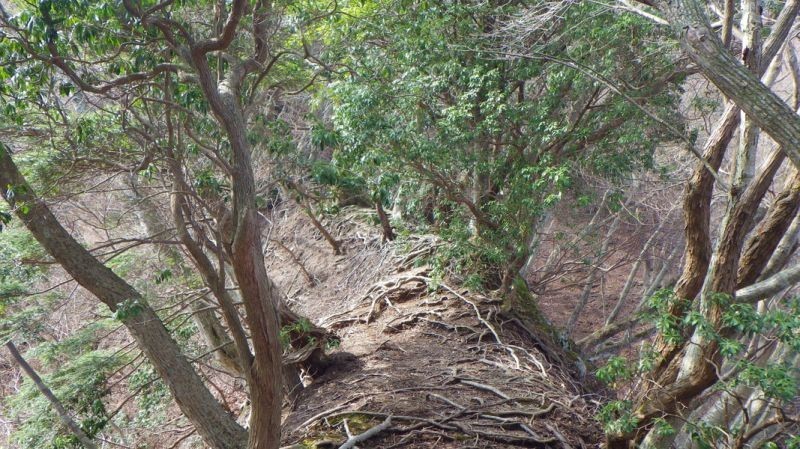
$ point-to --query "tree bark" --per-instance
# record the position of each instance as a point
(259, 294)
(218, 429)
(744, 163)
(767, 237)
(689, 22)
(772, 285)
(784, 250)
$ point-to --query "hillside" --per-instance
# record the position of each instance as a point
(427, 356)
(256, 224)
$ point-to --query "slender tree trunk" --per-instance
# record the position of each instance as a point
(784, 250)
(745, 161)
(534, 243)
(658, 280)
(260, 295)
(388, 233)
(40, 385)
(587, 289)
(781, 280)
(632, 274)
(213, 423)
(210, 327)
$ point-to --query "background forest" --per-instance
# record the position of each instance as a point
(399, 223)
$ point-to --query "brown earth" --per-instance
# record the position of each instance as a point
(440, 360)
(436, 359)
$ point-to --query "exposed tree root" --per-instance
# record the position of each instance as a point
(399, 288)
(498, 391)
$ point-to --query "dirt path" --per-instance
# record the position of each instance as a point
(439, 363)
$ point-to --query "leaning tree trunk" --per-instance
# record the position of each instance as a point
(48, 394)
(689, 22)
(763, 243)
(218, 429)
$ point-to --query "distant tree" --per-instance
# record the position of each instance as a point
(67, 420)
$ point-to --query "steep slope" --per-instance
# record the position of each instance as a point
(436, 359)
(440, 360)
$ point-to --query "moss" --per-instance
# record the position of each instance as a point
(323, 438)
(522, 304)
(357, 422)
(316, 443)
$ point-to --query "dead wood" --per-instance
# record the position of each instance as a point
(372, 432)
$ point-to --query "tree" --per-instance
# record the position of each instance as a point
(712, 297)
(494, 136)
(141, 50)
(40, 385)
(216, 426)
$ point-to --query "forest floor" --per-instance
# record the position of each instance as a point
(441, 361)
(435, 358)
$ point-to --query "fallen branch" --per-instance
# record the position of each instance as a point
(558, 435)
(311, 281)
(398, 417)
(370, 433)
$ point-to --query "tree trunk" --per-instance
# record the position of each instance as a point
(388, 233)
(593, 271)
(772, 285)
(213, 423)
(689, 22)
(767, 237)
(784, 250)
(745, 161)
(259, 294)
(40, 385)
(203, 316)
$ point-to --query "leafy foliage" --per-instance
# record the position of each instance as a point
(775, 379)
(495, 139)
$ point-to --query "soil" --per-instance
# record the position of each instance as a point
(435, 358)
(440, 360)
